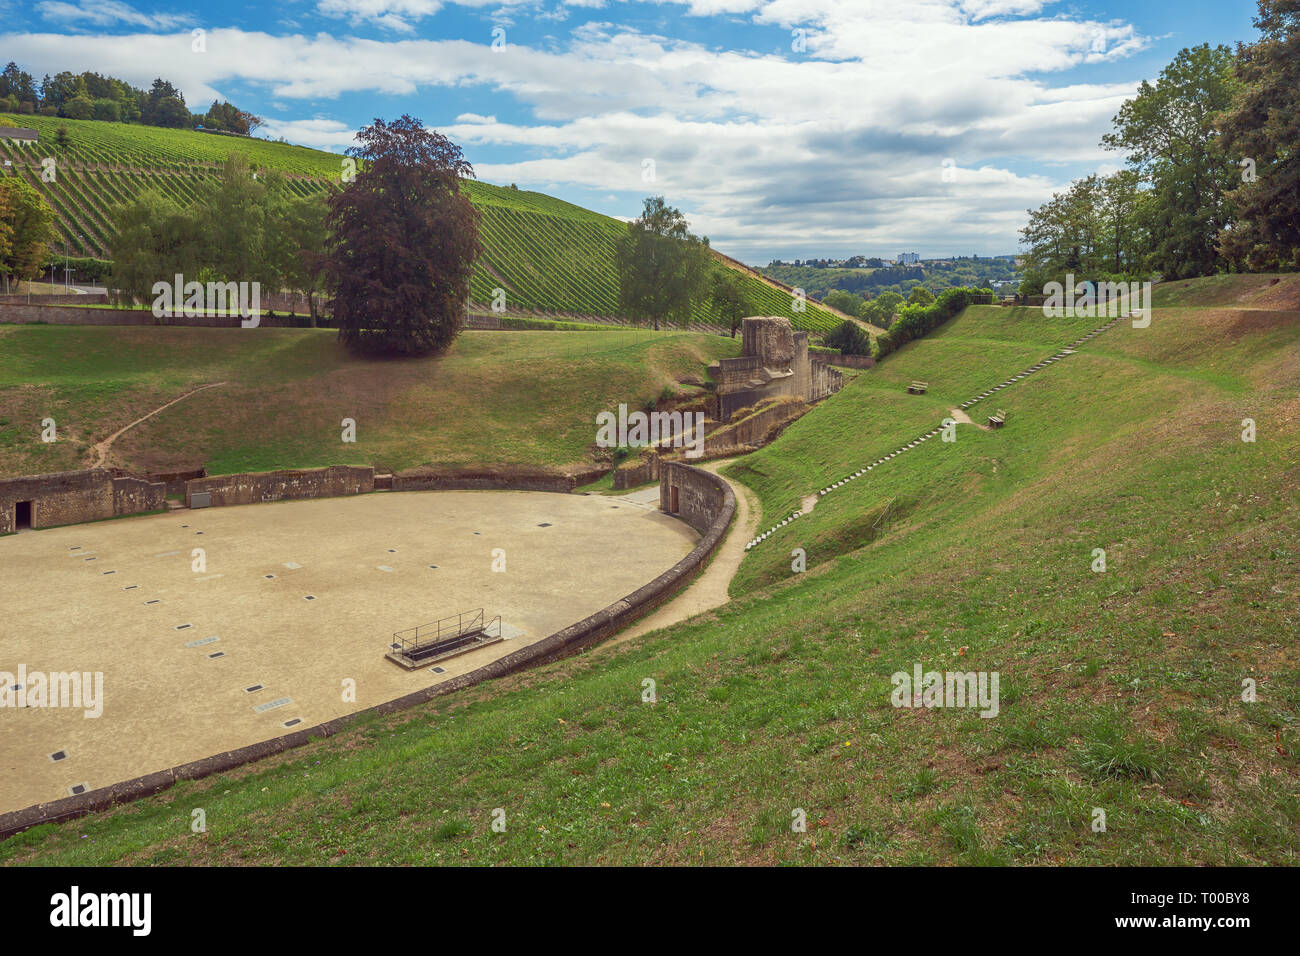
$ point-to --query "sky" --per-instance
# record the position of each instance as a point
(782, 128)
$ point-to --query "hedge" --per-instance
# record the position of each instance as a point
(917, 321)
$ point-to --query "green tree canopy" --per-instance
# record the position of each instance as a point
(731, 299)
(1168, 131)
(153, 240)
(662, 266)
(26, 229)
(846, 302)
(1260, 132)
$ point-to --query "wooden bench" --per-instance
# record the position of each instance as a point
(998, 420)
(917, 388)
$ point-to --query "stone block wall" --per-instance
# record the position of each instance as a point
(247, 489)
(758, 429)
(70, 298)
(495, 479)
(852, 361)
(776, 362)
(133, 496)
(71, 497)
(23, 313)
(638, 471)
(771, 340)
(700, 497)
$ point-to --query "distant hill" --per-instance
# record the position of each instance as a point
(935, 275)
(546, 254)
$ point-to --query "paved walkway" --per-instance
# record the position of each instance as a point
(710, 588)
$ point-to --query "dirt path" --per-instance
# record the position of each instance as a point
(962, 418)
(102, 449)
(958, 415)
(709, 590)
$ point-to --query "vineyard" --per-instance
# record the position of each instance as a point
(544, 254)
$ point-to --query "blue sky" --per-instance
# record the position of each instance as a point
(783, 128)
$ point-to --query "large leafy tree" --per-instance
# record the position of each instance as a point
(1092, 230)
(26, 229)
(246, 227)
(235, 213)
(1262, 128)
(846, 302)
(403, 242)
(1168, 131)
(731, 300)
(153, 240)
(880, 310)
(662, 266)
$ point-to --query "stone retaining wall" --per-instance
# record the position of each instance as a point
(71, 497)
(248, 489)
(503, 478)
(637, 472)
(71, 298)
(851, 361)
(700, 495)
(18, 313)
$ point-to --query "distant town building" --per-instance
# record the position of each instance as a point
(908, 258)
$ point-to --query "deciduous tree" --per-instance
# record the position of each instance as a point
(731, 301)
(662, 266)
(403, 242)
(1261, 132)
(26, 229)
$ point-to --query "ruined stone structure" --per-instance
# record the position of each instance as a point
(774, 361)
(70, 497)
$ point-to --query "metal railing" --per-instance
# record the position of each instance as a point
(445, 634)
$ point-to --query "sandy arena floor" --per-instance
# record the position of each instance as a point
(180, 650)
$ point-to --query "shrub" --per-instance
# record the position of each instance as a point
(849, 338)
(916, 321)
(93, 271)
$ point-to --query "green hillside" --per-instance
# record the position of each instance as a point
(286, 390)
(1120, 690)
(546, 254)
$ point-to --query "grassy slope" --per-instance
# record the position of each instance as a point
(545, 253)
(288, 390)
(1120, 690)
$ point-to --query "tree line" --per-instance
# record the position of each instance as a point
(1212, 181)
(88, 95)
(247, 226)
(390, 253)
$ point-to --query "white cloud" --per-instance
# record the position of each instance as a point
(320, 133)
(838, 149)
(397, 15)
(103, 13)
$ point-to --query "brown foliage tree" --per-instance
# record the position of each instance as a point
(403, 240)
